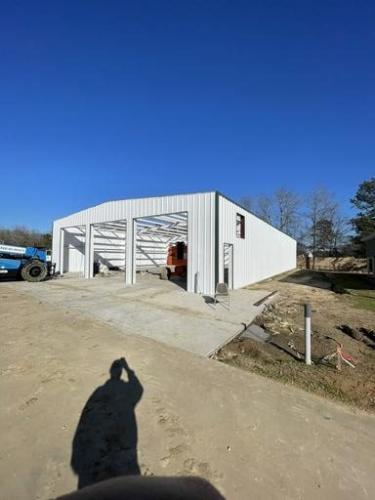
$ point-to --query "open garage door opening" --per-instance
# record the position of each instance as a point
(161, 247)
(109, 247)
(100, 250)
(73, 250)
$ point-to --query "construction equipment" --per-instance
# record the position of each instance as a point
(28, 263)
(177, 259)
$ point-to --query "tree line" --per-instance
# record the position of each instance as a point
(25, 237)
(316, 221)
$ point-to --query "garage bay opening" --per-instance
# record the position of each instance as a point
(162, 247)
(109, 247)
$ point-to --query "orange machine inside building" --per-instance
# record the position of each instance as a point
(177, 259)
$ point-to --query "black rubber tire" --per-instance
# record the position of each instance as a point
(34, 271)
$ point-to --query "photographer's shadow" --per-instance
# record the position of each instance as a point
(105, 441)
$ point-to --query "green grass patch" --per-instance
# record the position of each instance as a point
(367, 303)
(360, 288)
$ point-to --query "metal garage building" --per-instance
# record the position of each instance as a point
(225, 242)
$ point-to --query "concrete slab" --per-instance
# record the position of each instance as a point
(255, 332)
(154, 308)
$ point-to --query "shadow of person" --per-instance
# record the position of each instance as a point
(105, 441)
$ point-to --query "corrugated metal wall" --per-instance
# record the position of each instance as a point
(264, 252)
(74, 250)
(200, 208)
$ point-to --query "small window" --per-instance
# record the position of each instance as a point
(371, 265)
(240, 226)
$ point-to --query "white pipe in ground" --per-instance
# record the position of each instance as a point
(307, 334)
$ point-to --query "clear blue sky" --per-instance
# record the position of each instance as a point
(104, 100)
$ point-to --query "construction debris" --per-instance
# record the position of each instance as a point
(273, 323)
(266, 298)
(363, 335)
(255, 332)
(293, 348)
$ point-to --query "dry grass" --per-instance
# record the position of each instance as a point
(277, 360)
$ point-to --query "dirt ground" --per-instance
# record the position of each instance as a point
(348, 264)
(282, 357)
(248, 435)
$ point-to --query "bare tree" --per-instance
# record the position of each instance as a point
(247, 202)
(287, 208)
(264, 208)
(325, 235)
(322, 211)
(332, 232)
(314, 221)
(341, 227)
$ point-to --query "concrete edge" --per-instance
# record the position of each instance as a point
(267, 300)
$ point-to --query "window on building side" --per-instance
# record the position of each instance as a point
(240, 226)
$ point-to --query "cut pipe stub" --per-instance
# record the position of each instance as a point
(307, 308)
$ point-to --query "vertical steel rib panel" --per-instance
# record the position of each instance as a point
(264, 252)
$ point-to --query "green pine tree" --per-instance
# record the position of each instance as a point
(364, 201)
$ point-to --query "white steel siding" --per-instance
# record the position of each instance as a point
(74, 250)
(264, 252)
(200, 208)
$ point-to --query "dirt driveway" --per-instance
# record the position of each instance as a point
(250, 436)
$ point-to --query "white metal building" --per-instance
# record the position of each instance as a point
(225, 242)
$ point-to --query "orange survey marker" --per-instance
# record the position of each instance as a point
(344, 357)
(341, 356)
